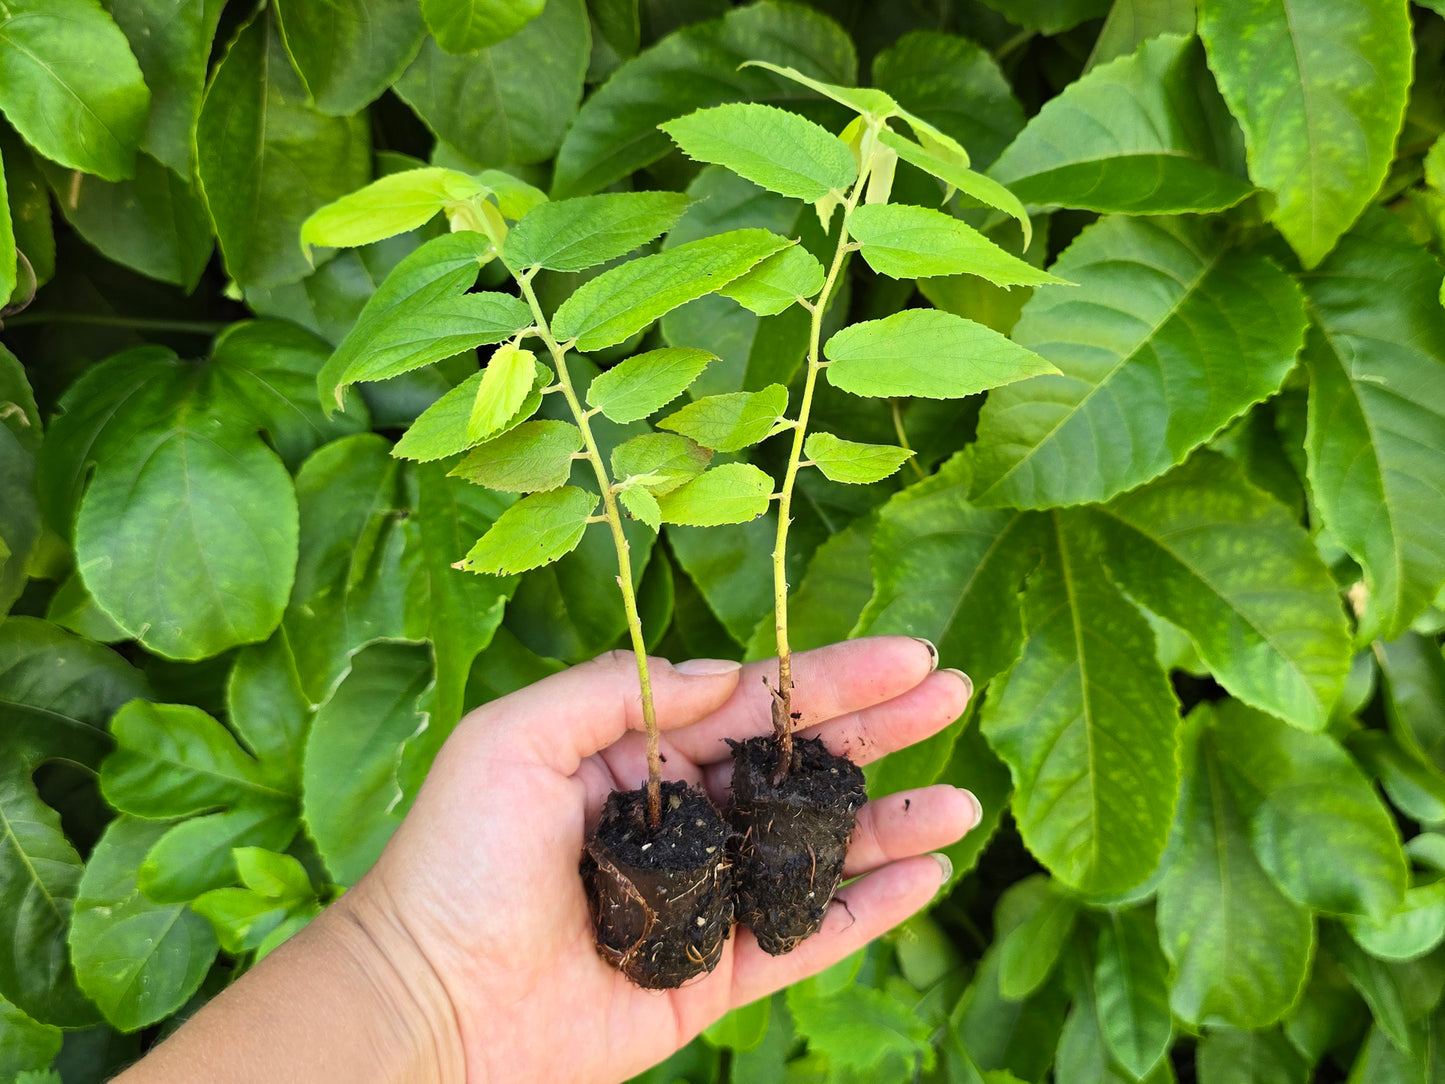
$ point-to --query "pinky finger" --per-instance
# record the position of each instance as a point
(869, 906)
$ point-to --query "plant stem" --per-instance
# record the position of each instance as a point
(903, 436)
(619, 539)
(133, 323)
(783, 694)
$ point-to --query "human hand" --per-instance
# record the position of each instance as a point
(481, 880)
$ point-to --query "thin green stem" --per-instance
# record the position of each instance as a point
(619, 538)
(134, 323)
(903, 436)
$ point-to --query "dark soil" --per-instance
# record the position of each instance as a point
(789, 840)
(661, 898)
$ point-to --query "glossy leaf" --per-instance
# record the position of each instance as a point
(1131, 990)
(387, 206)
(463, 25)
(533, 532)
(731, 493)
(1029, 952)
(906, 242)
(195, 855)
(348, 54)
(728, 423)
(575, 234)
(1412, 931)
(25, 1044)
(535, 456)
(645, 383)
(851, 462)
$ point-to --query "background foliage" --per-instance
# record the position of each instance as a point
(1196, 577)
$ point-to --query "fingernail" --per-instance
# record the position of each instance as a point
(945, 866)
(977, 808)
(932, 653)
(699, 667)
(967, 681)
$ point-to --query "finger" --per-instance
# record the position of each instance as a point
(874, 905)
(626, 759)
(865, 736)
(571, 715)
(827, 682)
(909, 823)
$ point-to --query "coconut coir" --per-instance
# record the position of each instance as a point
(789, 839)
(661, 898)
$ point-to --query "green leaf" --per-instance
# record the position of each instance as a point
(266, 159)
(441, 430)
(533, 532)
(353, 755)
(1028, 953)
(1003, 1034)
(857, 1027)
(1414, 787)
(139, 961)
(928, 353)
(20, 440)
(617, 130)
(645, 383)
(775, 149)
(1132, 22)
(731, 493)
(1234, 1056)
(29, 207)
(1414, 674)
(195, 855)
(239, 917)
(348, 54)
(1319, 88)
(1398, 994)
(617, 303)
(71, 86)
(937, 559)
(743, 1028)
(575, 234)
(26, 1043)
(463, 25)
(1169, 335)
(1131, 990)
(641, 504)
(1376, 438)
(1239, 947)
(511, 102)
(847, 461)
(8, 262)
(1412, 931)
(728, 423)
(276, 876)
(1143, 134)
(976, 186)
(422, 313)
(906, 242)
(777, 282)
(661, 461)
(1203, 549)
(506, 382)
(535, 456)
(1049, 16)
(388, 206)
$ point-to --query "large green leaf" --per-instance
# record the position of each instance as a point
(510, 102)
(139, 961)
(907, 242)
(1219, 559)
(731, 493)
(1143, 134)
(20, 436)
(1319, 87)
(348, 54)
(616, 131)
(1086, 722)
(71, 86)
(730, 422)
(1376, 438)
(1240, 948)
(1169, 335)
(266, 158)
(535, 531)
(463, 25)
(574, 234)
(1133, 22)
(390, 205)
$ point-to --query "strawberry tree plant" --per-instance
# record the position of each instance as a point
(1098, 342)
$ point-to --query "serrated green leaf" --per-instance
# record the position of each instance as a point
(1319, 88)
(388, 206)
(728, 423)
(977, 186)
(731, 493)
(848, 461)
(506, 382)
(1131, 991)
(775, 149)
(441, 429)
(644, 383)
(618, 303)
(641, 504)
(1169, 335)
(777, 282)
(906, 242)
(928, 353)
(575, 234)
(1029, 952)
(666, 461)
(534, 532)
(856, 1027)
(535, 456)
(1206, 551)
(463, 25)
(1144, 134)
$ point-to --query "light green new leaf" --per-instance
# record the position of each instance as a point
(928, 353)
(463, 25)
(1168, 336)
(727, 423)
(859, 99)
(641, 504)
(731, 493)
(777, 282)
(618, 303)
(1028, 953)
(533, 532)
(348, 54)
(1412, 931)
(1319, 87)
(1234, 1056)
(906, 242)
(441, 429)
(276, 876)
(1240, 948)
(644, 383)
(388, 206)
(976, 186)
(1205, 550)
(1317, 825)
(1376, 437)
(239, 917)
(71, 86)
(1131, 991)
(194, 856)
(139, 961)
(1143, 134)
(8, 262)
(851, 462)
(506, 382)
(1087, 723)
(533, 457)
(775, 149)
(575, 234)
(664, 460)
